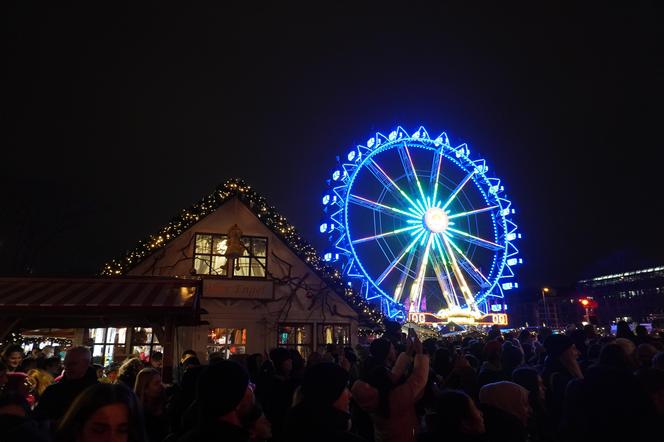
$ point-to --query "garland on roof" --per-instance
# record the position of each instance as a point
(269, 216)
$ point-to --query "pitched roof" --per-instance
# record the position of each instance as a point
(274, 221)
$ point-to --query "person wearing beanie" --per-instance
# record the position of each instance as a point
(560, 367)
(223, 399)
(323, 413)
(506, 408)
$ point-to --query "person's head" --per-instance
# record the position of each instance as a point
(511, 356)
(48, 351)
(99, 370)
(148, 386)
(77, 362)
(156, 360)
(13, 403)
(508, 397)
(326, 384)
(103, 412)
(562, 351)
(530, 379)
(613, 355)
(282, 360)
(12, 356)
(53, 366)
(128, 371)
(223, 393)
(457, 413)
(641, 331)
(623, 330)
(383, 351)
(186, 355)
(492, 351)
(28, 363)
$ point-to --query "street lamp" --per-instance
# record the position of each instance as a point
(545, 290)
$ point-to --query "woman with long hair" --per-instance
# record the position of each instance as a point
(151, 394)
(12, 356)
(103, 412)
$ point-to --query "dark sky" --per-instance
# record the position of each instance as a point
(117, 120)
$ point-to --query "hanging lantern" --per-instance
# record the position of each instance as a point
(234, 248)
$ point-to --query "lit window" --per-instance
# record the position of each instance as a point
(333, 334)
(227, 341)
(295, 336)
(108, 345)
(144, 342)
(210, 259)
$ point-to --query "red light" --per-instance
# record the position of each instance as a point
(585, 302)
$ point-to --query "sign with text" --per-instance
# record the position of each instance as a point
(432, 318)
(234, 289)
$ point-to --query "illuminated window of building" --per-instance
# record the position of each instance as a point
(333, 334)
(227, 341)
(108, 345)
(296, 336)
(209, 259)
(144, 342)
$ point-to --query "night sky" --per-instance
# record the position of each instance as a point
(115, 121)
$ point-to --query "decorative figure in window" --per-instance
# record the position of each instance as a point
(235, 248)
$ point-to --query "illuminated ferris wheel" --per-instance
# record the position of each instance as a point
(422, 227)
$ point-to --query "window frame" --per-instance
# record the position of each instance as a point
(312, 337)
(320, 337)
(233, 275)
(154, 342)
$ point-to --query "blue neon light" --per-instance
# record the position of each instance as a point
(452, 258)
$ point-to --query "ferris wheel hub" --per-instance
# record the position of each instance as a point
(436, 220)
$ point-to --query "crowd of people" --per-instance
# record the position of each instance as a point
(524, 385)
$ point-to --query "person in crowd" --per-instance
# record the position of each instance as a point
(456, 418)
(511, 357)
(623, 331)
(40, 379)
(391, 403)
(21, 384)
(178, 371)
(78, 375)
(53, 365)
(658, 360)
(156, 360)
(323, 413)
(539, 423)
(152, 397)
(607, 403)
(254, 363)
(381, 354)
(15, 421)
(560, 367)
(224, 399)
(103, 412)
(651, 381)
(506, 408)
(27, 364)
(641, 337)
(526, 340)
(128, 371)
(442, 363)
(181, 409)
(491, 370)
(275, 392)
(12, 356)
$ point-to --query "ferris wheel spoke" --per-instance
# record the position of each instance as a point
(376, 206)
(476, 274)
(380, 175)
(472, 212)
(474, 239)
(437, 162)
(463, 285)
(418, 284)
(458, 188)
(398, 291)
(417, 180)
(386, 234)
(396, 260)
(444, 279)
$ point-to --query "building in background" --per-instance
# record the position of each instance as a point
(633, 296)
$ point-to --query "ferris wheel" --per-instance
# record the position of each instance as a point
(423, 227)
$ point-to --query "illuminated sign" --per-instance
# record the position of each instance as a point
(431, 318)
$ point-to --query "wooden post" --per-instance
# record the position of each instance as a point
(169, 348)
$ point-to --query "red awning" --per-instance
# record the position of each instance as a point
(98, 293)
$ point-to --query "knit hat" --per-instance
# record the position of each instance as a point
(323, 383)
(556, 345)
(220, 388)
(380, 348)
